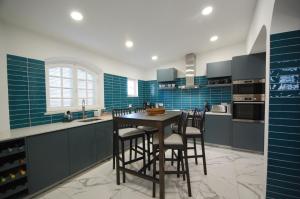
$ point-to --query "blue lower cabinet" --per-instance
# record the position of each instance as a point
(249, 136)
(82, 147)
(104, 140)
(52, 157)
(218, 129)
(48, 159)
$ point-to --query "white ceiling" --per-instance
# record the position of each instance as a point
(167, 28)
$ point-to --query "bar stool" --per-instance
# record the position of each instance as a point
(125, 133)
(149, 135)
(197, 131)
(175, 142)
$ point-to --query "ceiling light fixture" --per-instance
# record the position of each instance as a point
(77, 16)
(207, 10)
(129, 44)
(214, 38)
(154, 57)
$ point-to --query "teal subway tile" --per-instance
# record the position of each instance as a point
(17, 58)
(36, 62)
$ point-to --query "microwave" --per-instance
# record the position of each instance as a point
(246, 87)
(248, 111)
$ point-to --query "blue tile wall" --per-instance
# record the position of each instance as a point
(283, 177)
(27, 93)
(187, 98)
(115, 93)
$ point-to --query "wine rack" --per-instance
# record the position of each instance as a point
(13, 169)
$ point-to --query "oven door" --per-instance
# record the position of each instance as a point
(248, 111)
(256, 88)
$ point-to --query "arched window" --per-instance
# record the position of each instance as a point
(68, 85)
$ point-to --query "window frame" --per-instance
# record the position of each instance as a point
(74, 96)
(136, 87)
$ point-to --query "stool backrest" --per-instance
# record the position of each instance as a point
(139, 110)
(120, 112)
(198, 119)
(182, 124)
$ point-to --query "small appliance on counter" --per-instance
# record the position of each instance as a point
(218, 109)
(68, 117)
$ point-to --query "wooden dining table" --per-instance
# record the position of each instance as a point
(159, 122)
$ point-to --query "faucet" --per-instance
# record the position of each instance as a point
(83, 109)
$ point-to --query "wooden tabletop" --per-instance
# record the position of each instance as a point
(144, 116)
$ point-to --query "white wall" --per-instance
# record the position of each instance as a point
(262, 19)
(221, 54)
(286, 16)
(4, 116)
(29, 44)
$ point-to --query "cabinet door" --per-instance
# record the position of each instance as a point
(248, 136)
(218, 129)
(82, 148)
(249, 66)
(104, 140)
(219, 69)
(47, 159)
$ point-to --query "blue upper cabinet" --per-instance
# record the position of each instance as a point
(219, 69)
(166, 75)
(249, 66)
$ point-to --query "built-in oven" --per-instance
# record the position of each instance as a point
(248, 108)
(245, 87)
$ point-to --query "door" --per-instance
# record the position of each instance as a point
(48, 160)
(104, 140)
(82, 147)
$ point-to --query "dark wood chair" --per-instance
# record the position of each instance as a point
(123, 133)
(196, 131)
(176, 141)
(149, 136)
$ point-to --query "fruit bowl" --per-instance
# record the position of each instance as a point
(155, 111)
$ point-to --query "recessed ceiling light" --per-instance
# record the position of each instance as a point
(207, 10)
(129, 44)
(77, 16)
(154, 57)
(214, 38)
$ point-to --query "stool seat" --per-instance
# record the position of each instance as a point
(173, 139)
(128, 132)
(192, 131)
(147, 128)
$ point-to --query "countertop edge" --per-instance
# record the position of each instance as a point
(47, 128)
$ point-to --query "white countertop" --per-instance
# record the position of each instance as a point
(36, 130)
(211, 113)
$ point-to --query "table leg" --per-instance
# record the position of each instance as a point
(161, 163)
(117, 157)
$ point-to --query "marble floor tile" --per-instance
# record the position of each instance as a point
(231, 175)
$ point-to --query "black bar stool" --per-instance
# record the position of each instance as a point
(177, 142)
(149, 136)
(125, 133)
(197, 131)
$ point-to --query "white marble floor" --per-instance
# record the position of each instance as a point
(231, 175)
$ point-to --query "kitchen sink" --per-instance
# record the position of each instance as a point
(89, 120)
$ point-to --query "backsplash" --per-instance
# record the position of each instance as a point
(27, 93)
(115, 92)
(187, 99)
(284, 120)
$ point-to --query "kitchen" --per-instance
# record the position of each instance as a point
(64, 78)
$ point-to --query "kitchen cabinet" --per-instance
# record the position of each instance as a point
(48, 159)
(104, 140)
(82, 147)
(218, 129)
(219, 69)
(249, 66)
(248, 136)
(166, 75)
